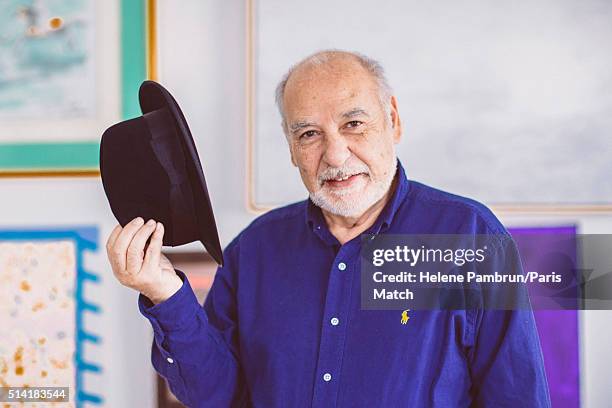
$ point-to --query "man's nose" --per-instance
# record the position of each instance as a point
(337, 150)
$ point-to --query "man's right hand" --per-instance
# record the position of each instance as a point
(145, 270)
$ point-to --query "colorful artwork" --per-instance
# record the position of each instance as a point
(47, 59)
(558, 329)
(39, 279)
(68, 70)
(41, 284)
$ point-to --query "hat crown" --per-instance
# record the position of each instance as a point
(150, 169)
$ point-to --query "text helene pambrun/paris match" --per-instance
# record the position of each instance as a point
(459, 257)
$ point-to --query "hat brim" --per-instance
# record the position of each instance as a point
(153, 96)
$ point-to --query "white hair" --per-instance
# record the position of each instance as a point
(325, 56)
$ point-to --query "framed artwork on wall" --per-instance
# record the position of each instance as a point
(48, 338)
(68, 70)
(507, 105)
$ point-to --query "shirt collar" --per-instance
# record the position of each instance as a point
(316, 221)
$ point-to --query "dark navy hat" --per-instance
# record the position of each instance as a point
(150, 168)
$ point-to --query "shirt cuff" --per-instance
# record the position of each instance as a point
(176, 311)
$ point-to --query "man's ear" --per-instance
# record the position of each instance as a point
(396, 123)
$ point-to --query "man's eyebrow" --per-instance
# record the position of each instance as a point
(346, 115)
(354, 112)
(300, 125)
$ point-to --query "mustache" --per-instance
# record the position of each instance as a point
(331, 173)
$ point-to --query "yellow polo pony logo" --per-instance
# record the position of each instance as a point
(405, 316)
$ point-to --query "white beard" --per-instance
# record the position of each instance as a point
(334, 202)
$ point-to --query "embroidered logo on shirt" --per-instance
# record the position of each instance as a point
(405, 316)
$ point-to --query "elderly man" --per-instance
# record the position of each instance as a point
(283, 325)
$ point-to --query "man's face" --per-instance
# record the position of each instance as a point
(339, 136)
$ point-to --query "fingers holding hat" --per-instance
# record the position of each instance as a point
(153, 252)
(135, 251)
(112, 238)
(118, 248)
(110, 246)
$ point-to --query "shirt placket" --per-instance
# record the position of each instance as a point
(334, 325)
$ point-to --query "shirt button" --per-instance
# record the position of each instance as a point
(170, 360)
(342, 266)
(335, 321)
(326, 377)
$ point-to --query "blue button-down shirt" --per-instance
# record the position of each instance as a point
(282, 325)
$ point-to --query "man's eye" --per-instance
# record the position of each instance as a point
(354, 124)
(308, 134)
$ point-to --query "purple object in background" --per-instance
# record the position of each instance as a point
(558, 329)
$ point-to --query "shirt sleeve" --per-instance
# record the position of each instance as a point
(506, 362)
(200, 363)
